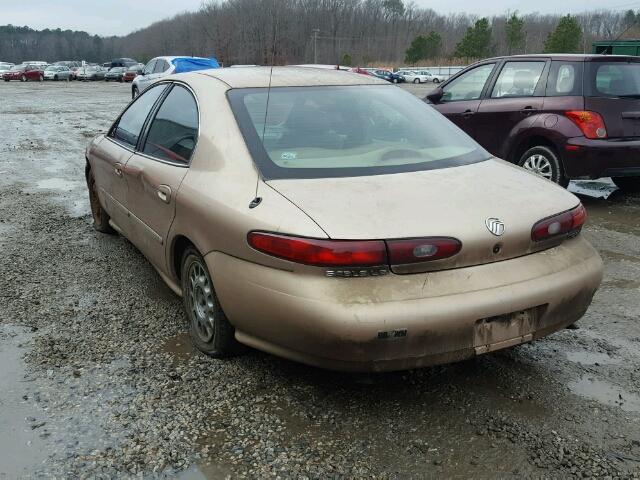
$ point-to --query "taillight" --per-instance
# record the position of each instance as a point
(417, 250)
(569, 222)
(322, 253)
(591, 123)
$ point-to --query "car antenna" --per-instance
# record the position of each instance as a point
(610, 47)
(257, 200)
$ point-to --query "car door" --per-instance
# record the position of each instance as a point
(147, 76)
(155, 172)
(515, 96)
(461, 97)
(109, 157)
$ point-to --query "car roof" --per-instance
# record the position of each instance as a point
(576, 57)
(260, 77)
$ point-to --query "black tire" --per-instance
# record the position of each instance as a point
(41, 78)
(23, 78)
(416, 80)
(99, 214)
(627, 184)
(395, 80)
(209, 329)
(435, 80)
(549, 161)
(55, 78)
(134, 92)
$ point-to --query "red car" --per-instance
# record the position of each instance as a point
(132, 72)
(24, 73)
(361, 71)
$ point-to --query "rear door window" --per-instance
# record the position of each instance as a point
(518, 79)
(127, 129)
(469, 85)
(173, 133)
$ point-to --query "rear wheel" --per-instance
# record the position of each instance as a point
(627, 184)
(134, 92)
(435, 80)
(416, 80)
(209, 329)
(395, 80)
(41, 78)
(99, 214)
(55, 78)
(543, 161)
(23, 78)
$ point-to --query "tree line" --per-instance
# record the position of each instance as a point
(356, 32)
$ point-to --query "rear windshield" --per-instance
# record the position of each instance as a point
(342, 131)
(615, 79)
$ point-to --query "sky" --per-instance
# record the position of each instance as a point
(119, 17)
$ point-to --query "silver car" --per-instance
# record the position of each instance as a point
(57, 72)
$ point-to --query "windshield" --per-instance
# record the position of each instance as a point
(53, 69)
(615, 79)
(345, 131)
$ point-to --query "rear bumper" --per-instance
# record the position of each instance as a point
(602, 158)
(357, 324)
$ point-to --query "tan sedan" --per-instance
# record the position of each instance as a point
(336, 220)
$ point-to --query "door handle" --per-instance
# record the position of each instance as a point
(467, 113)
(118, 169)
(164, 193)
(528, 110)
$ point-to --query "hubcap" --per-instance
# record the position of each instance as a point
(201, 302)
(540, 165)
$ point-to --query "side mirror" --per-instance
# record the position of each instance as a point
(436, 95)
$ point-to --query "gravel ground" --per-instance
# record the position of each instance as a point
(99, 380)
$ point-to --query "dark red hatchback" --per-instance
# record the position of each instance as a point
(561, 116)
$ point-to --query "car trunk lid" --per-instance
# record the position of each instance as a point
(458, 202)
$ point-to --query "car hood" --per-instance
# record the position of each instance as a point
(451, 202)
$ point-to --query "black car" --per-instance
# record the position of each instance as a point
(389, 76)
(122, 62)
(115, 74)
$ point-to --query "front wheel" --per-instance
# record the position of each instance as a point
(416, 80)
(41, 78)
(209, 329)
(627, 184)
(543, 161)
(55, 78)
(435, 80)
(23, 78)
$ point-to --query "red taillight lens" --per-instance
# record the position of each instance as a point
(561, 224)
(591, 123)
(417, 250)
(322, 253)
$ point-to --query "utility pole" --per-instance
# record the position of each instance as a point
(315, 31)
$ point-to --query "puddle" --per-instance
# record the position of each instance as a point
(179, 346)
(57, 184)
(593, 188)
(591, 358)
(605, 393)
(22, 444)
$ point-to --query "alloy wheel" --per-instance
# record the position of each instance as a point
(201, 302)
(540, 165)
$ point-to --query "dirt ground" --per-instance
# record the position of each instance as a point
(98, 380)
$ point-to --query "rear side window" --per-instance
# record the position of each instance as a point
(128, 128)
(469, 85)
(149, 67)
(565, 79)
(174, 130)
(518, 79)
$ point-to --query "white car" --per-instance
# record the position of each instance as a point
(435, 78)
(415, 77)
(161, 67)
